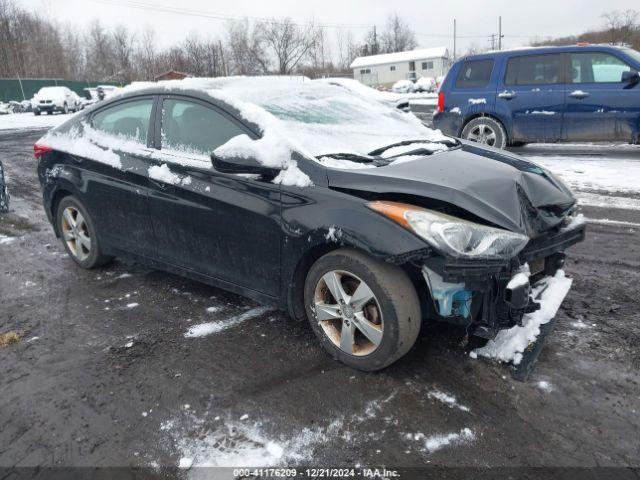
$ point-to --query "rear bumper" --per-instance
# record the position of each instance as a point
(448, 123)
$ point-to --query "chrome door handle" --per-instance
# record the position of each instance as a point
(507, 95)
(579, 94)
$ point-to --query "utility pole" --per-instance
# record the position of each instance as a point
(493, 41)
(454, 39)
(500, 32)
(374, 47)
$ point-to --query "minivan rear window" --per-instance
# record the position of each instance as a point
(474, 74)
(534, 70)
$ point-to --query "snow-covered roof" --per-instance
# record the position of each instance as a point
(411, 55)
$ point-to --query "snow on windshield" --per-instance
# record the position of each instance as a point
(313, 118)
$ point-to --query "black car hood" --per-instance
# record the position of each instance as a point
(501, 188)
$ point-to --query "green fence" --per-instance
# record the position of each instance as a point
(26, 88)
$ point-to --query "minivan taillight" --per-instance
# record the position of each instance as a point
(39, 150)
(440, 101)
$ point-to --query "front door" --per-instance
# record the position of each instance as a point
(599, 105)
(220, 225)
(532, 94)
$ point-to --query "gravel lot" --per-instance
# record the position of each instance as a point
(104, 376)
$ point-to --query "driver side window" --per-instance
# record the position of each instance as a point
(596, 67)
(192, 128)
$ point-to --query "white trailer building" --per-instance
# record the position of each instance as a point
(388, 68)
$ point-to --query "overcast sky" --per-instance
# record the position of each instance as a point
(432, 21)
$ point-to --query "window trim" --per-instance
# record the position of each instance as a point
(563, 69)
(568, 59)
(493, 67)
(189, 98)
(150, 128)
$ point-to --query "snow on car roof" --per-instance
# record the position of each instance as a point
(437, 52)
(314, 118)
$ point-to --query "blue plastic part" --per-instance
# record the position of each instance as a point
(462, 303)
(451, 298)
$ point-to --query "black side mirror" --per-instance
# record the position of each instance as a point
(242, 165)
(631, 77)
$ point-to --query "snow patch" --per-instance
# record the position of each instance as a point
(163, 173)
(433, 443)
(333, 235)
(208, 328)
(132, 305)
(509, 345)
(477, 101)
(449, 400)
(456, 110)
(545, 386)
(5, 240)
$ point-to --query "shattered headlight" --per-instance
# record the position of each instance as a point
(454, 236)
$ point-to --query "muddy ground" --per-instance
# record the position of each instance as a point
(98, 381)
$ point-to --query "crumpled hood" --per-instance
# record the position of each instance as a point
(504, 189)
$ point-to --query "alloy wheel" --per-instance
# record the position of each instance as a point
(483, 134)
(349, 313)
(76, 233)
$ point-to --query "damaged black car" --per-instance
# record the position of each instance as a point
(338, 210)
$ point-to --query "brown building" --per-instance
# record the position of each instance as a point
(171, 75)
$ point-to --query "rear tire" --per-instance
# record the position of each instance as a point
(485, 131)
(78, 233)
(394, 309)
(36, 112)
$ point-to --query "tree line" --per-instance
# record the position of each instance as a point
(32, 46)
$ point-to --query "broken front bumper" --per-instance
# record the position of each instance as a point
(485, 296)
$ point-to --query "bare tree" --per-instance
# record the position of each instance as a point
(288, 42)
(397, 35)
(246, 49)
(123, 46)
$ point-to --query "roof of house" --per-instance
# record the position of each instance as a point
(437, 52)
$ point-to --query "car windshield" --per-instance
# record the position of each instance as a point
(326, 119)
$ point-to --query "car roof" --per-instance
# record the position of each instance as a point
(543, 50)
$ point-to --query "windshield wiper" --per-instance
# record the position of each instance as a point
(450, 143)
(354, 157)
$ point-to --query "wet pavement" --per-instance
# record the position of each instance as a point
(104, 376)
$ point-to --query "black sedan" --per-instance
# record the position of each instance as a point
(308, 197)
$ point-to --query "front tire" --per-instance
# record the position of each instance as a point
(486, 131)
(65, 108)
(364, 311)
(78, 233)
(36, 112)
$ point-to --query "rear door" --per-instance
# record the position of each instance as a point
(471, 92)
(221, 225)
(531, 91)
(117, 192)
(599, 105)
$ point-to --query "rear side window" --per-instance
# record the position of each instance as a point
(130, 119)
(534, 70)
(194, 128)
(596, 67)
(474, 74)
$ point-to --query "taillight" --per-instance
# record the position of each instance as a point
(39, 150)
(441, 101)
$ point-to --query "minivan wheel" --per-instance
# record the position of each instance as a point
(78, 233)
(486, 131)
(364, 311)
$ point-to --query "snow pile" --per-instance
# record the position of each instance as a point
(208, 328)
(584, 172)
(29, 121)
(164, 174)
(509, 344)
(436, 442)
(449, 400)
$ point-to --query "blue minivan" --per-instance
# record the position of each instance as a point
(545, 94)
